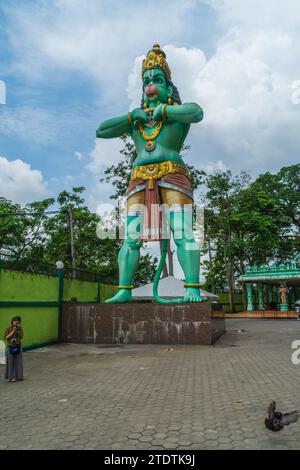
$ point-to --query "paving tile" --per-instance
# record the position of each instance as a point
(140, 398)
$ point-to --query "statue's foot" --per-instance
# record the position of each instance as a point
(192, 295)
(123, 296)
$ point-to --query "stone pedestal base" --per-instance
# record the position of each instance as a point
(142, 323)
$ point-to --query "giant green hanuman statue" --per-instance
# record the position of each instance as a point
(159, 177)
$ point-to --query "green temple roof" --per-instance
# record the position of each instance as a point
(275, 273)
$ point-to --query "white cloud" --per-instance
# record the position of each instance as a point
(20, 183)
(94, 37)
(43, 126)
(79, 155)
(2, 92)
(39, 125)
(245, 88)
(29, 123)
(105, 153)
(212, 167)
(256, 14)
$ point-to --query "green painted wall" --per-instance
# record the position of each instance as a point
(83, 291)
(40, 325)
(19, 286)
(107, 291)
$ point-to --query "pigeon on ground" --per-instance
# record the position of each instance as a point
(276, 420)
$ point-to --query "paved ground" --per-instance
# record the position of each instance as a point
(149, 397)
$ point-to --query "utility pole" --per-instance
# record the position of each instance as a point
(170, 259)
(168, 268)
(70, 213)
(165, 268)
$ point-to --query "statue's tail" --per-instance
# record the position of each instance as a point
(164, 249)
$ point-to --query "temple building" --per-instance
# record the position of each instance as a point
(275, 287)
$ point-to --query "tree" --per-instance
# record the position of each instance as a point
(246, 222)
(38, 239)
(269, 211)
(92, 254)
(221, 202)
(12, 227)
(285, 188)
(21, 229)
(250, 222)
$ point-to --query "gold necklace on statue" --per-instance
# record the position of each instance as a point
(149, 138)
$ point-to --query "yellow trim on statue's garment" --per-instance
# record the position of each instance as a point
(155, 171)
(124, 287)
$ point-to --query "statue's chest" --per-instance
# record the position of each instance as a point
(169, 134)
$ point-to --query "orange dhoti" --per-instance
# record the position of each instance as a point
(170, 190)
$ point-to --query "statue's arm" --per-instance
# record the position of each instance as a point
(187, 113)
(114, 127)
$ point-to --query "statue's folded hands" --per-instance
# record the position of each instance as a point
(158, 113)
(139, 115)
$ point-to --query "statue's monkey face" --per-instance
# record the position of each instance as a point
(155, 87)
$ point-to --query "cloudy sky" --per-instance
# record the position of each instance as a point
(69, 64)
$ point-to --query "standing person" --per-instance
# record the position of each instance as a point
(14, 361)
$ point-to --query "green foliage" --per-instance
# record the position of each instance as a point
(21, 233)
(146, 270)
(91, 253)
(249, 221)
(29, 235)
(245, 222)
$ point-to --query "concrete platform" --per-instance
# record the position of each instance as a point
(142, 323)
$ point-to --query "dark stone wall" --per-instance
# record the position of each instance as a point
(142, 323)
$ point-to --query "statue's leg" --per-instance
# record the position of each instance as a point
(129, 256)
(188, 252)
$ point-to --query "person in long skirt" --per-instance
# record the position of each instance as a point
(13, 352)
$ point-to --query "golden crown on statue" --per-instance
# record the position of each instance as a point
(156, 59)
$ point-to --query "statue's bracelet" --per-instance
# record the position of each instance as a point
(130, 119)
(164, 113)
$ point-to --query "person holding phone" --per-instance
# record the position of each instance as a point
(13, 353)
